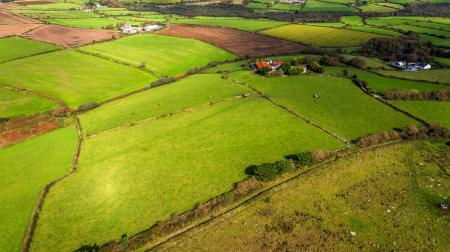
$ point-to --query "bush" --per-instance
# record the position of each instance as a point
(162, 81)
(283, 166)
(358, 62)
(88, 248)
(264, 70)
(87, 106)
(295, 70)
(315, 67)
(303, 159)
(270, 171)
(286, 67)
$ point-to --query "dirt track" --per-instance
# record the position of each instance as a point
(239, 42)
(67, 36)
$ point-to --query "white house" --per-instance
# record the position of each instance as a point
(399, 64)
(152, 27)
(423, 66)
(128, 29)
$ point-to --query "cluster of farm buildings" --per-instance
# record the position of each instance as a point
(129, 29)
(411, 66)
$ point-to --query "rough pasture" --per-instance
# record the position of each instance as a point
(379, 200)
(13, 104)
(68, 36)
(139, 170)
(239, 42)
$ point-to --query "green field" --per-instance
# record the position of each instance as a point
(433, 75)
(93, 23)
(14, 104)
(319, 6)
(320, 36)
(379, 31)
(73, 77)
(423, 30)
(53, 6)
(162, 54)
(341, 108)
(431, 111)
(240, 24)
(129, 179)
(27, 167)
(435, 40)
(377, 201)
(352, 20)
(376, 8)
(189, 92)
(444, 61)
(381, 84)
(15, 47)
(46, 14)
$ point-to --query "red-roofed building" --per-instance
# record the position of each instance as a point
(273, 65)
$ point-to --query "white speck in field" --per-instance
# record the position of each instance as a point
(353, 233)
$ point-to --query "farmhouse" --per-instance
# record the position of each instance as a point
(272, 65)
(150, 27)
(129, 29)
(399, 64)
(412, 67)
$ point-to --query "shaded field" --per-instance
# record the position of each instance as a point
(14, 104)
(30, 165)
(321, 36)
(380, 198)
(381, 84)
(434, 75)
(165, 55)
(239, 42)
(431, 111)
(129, 179)
(342, 107)
(14, 47)
(67, 36)
(188, 92)
(73, 77)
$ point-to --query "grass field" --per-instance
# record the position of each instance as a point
(376, 8)
(14, 104)
(431, 111)
(423, 30)
(191, 91)
(379, 31)
(228, 67)
(434, 75)
(444, 61)
(380, 200)
(162, 54)
(129, 179)
(46, 14)
(73, 77)
(381, 84)
(240, 24)
(15, 47)
(319, 6)
(53, 6)
(341, 108)
(27, 167)
(352, 20)
(93, 23)
(320, 36)
(435, 40)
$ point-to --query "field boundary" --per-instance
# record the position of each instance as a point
(329, 132)
(26, 245)
(31, 55)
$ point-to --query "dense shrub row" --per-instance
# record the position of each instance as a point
(270, 171)
(162, 81)
(438, 95)
(87, 106)
(410, 132)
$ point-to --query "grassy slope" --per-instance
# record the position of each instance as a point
(188, 92)
(372, 195)
(14, 104)
(163, 54)
(129, 179)
(341, 108)
(431, 111)
(438, 75)
(73, 77)
(240, 24)
(26, 168)
(14, 47)
(94, 23)
(381, 84)
(320, 36)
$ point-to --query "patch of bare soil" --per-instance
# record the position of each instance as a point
(19, 129)
(239, 42)
(16, 29)
(7, 18)
(28, 2)
(68, 36)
